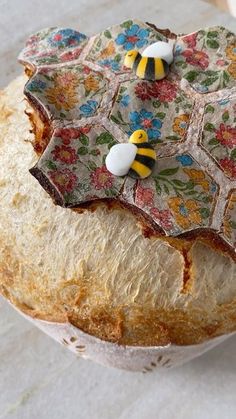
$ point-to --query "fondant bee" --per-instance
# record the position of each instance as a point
(154, 62)
(135, 158)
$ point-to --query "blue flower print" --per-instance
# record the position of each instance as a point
(133, 37)
(66, 38)
(177, 50)
(36, 85)
(200, 88)
(125, 100)
(89, 108)
(185, 160)
(213, 187)
(109, 63)
(223, 102)
(146, 121)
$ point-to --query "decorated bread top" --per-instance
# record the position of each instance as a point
(85, 101)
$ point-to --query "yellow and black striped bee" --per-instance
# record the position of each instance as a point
(135, 158)
(148, 68)
(145, 157)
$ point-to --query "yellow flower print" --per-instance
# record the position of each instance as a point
(108, 51)
(62, 98)
(186, 213)
(180, 124)
(91, 83)
(227, 227)
(232, 70)
(231, 52)
(198, 177)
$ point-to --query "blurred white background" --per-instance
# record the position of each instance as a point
(40, 379)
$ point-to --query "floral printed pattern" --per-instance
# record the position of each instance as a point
(179, 195)
(219, 134)
(68, 92)
(77, 170)
(229, 222)
(133, 37)
(154, 107)
(110, 47)
(206, 59)
(54, 45)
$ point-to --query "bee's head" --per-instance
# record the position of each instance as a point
(130, 58)
(138, 136)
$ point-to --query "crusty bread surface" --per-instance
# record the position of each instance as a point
(96, 269)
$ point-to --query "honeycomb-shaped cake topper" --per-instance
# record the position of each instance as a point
(89, 101)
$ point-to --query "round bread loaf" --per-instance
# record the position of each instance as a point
(96, 269)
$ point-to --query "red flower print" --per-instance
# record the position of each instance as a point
(226, 135)
(32, 40)
(64, 179)
(64, 154)
(163, 217)
(86, 69)
(144, 197)
(142, 91)
(101, 178)
(221, 63)
(68, 134)
(163, 90)
(71, 55)
(190, 40)
(196, 58)
(229, 166)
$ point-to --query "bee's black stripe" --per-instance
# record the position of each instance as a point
(146, 160)
(137, 61)
(132, 173)
(166, 67)
(144, 145)
(150, 69)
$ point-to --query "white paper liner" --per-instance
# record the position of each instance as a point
(132, 358)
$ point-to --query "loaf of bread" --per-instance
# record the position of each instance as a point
(96, 269)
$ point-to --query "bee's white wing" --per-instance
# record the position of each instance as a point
(159, 49)
(120, 158)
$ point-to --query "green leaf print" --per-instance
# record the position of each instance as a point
(225, 116)
(191, 75)
(209, 109)
(169, 172)
(212, 34)
(107, 34)
(233, 154)
(212, 43)
(84, 139)
(50, 165)
(213, 141)
(104, 138)
(205, 212)
(127, 24)
(209, 127)
(161, 115)
(82, 151)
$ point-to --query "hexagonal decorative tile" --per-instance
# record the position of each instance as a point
(179, 196)
(219, 134)
(157, 107)
(68, 92)
(229, 221)
(53, 45)
(72, 167)
(207, 59)
(89, 109)
(111, 45)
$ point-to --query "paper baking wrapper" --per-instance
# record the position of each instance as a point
(132, 358)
